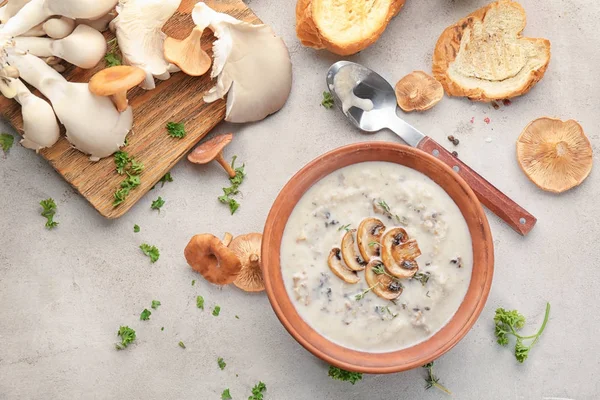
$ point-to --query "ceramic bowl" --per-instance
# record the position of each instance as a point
(421, 353)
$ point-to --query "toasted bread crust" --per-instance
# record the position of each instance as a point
(448, 46)
(309, 34)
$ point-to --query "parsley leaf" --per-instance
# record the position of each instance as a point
(127, 336)
(166, 178)
(121, 161)
(145, 315)
(176, 130)
(236, 181)
(6, 141)
(193, 282)
(226, 395)
(49, 209)
(327, 101)
(112, 57)
(222, 364)
(216, 311)
(155, 304)
(136, 228)
(432, 380)
(343, 375)
(199, 301)
(126, 164)
(150, 251)
(157, 204)
(181, 344)
(257, 391)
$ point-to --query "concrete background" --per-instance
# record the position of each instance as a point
(64, 293)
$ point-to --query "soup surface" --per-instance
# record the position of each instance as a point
(351, 314)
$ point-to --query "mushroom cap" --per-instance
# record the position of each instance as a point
(207, 255)
(555, 155)
(187, 54)
(113, 80)
(418, 91)
(370, 230)
(383, 285)
(209, 150)
(247, 249)
(339, 269)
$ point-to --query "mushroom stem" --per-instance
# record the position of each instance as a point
(120, 100)
(254, 259)
(225, 164)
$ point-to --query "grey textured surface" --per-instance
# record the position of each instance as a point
(64, 293)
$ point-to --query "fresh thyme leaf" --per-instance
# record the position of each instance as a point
(216, 311)
(48, 211)
(422, 277)
(344, 228)
(226, 395)
(384, 205)
(257, 391)
(343, 375)
(155, 304)
(136, 228)
(222, 364)
(6, 141)
(157, 204)
(361, 295)
(432, 380)
(327, 101)
(371, 244)
(145, 315)
(182, 345)
(127, 336)
(199, 301)
(166, 178)
(176, 130)
(150, 251)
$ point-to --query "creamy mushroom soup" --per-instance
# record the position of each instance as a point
(413, 273)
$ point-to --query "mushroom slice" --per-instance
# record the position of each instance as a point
(418, 91)
(398, 253)
(351, 258)
(247, 249)
(369, 235)
(339, 269)
(187, 54)
(384, 285)
(556, 155)
(207, 255)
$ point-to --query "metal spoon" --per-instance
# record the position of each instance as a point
(369, 85)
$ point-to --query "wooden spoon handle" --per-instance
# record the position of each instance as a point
(496, 201)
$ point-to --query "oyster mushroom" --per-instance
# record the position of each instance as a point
(555, 155)
(207, 255)
(384, 284)
(59, 28)
(398, 253)
(187, 54)
(369, 235)
(247, 249)
(418, 91)
(339, 269)
(7, 84)
(351, 258)
(115, 82)
(10, 9)
(213, 150)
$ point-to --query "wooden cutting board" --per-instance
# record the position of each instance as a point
(178, 99)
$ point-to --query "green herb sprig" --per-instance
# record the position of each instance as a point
(421, 277)
(361, 295)
(157, 204)
(6, 141)
(127, 337)
(233, 190)
(222, 364)
(145, 315)
(166, 178)
(150, 251)
(48, 211)
(343, 375)
(125, 164)
(327, 101)
(199, 301)
(257, 391)
(432, 380)
(176, 130)
(226, 395)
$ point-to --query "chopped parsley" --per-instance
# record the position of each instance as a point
(327, 101)
(226, 395)
(155, 304)
(6, 141)
(136, 228)
(150, 251)
(200, 302)
(343, 375)
(233, 190)
(166, 178)
(125, 164)
(236, 317)
(112, 58)
(48, 211)
(176, 130)
(127, 336)
(257, 391)
(193, 282)
(216, 311)
(162, 329)
(181, 344)
(157, 204)
(145, 315)
(222, 364)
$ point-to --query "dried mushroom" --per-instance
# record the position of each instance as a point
(556, 155)
(398, 253)
(369, 235)
(207, 255)
(418, 91)
(351, 258)
(213, 150)
(384, 284)
(247, 250)
(339, 269)
(187, 54)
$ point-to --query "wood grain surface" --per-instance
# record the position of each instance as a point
(178, 99)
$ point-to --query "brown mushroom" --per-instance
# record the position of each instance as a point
(556, 155)
(398, 253)
(351, 258)
(207, 255)
(187, 54)
(115, 82)
(384, 284)
(247, 249)
(418, 91)
(213, 150)
(369, 235)
(339, 269)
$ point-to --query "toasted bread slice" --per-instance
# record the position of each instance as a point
(343, 27)
(484, 57)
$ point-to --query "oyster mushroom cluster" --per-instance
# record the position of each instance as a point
(387, 257)
(231, 260)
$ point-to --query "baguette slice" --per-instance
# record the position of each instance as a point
(484, 57)
(343, 27)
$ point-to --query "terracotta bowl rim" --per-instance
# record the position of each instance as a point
(353, 360)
